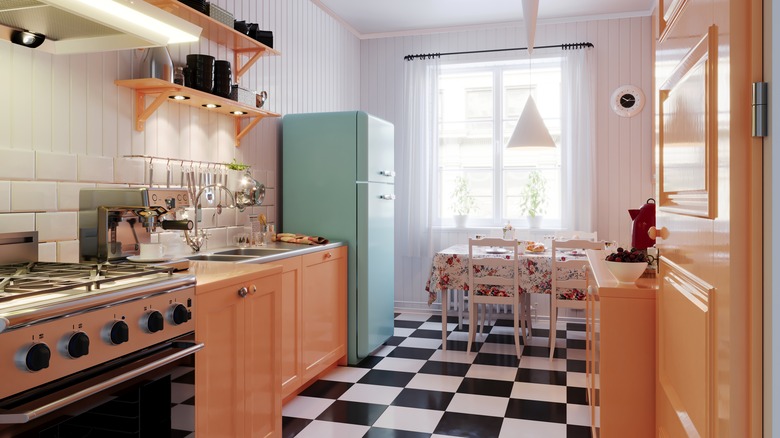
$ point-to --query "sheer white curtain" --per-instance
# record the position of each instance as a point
(579, 140)
(415, 182)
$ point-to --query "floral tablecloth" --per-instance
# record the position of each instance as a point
(450, 271)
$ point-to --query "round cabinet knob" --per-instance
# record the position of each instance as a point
(179, 314)
(243, 292)
(78, 345)
(655, 233)
(37, 357)
(120, 333)
(154, 322)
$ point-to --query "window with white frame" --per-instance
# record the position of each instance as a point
(479, 105)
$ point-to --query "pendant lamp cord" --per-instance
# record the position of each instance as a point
(571, 46)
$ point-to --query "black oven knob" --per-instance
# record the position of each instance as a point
(179, 314)
(120, 333)
(37, 357)
(154, 321)
(78, 345)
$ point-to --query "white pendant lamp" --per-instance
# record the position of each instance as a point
(530, 130)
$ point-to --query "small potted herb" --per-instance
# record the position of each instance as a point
(533, 198)
(463, 201)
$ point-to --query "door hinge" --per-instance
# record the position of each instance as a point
(760, 109)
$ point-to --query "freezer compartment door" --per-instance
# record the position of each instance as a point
(375, 149)
(375, 274)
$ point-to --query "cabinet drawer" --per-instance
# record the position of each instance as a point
(324, 255)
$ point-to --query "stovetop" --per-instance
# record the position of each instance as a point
(31, 290)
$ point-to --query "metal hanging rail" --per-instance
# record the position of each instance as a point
(572, 46)
(200, 163)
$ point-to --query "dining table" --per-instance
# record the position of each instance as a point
(449, 272)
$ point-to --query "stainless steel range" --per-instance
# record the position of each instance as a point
(70, 333)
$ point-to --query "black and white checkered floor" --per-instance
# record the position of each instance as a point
(411, 388)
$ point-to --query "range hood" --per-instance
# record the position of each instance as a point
(83, 26)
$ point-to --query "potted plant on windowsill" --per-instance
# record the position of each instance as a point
(533, 198)
(463, 202)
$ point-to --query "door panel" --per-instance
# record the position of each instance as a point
(707, 336)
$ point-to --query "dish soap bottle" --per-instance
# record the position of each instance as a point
(509, 232)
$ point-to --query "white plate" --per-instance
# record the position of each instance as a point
(496, 251)
(138, 259)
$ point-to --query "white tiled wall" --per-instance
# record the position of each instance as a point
(83, 129)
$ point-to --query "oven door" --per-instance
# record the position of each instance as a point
(129, 397)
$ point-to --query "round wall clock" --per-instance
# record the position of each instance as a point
(627, 101)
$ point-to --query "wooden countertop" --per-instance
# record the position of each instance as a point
(645, 287)
(213, 275)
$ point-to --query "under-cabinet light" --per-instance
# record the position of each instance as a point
(178, 97)
(238, 113)
(211, 105)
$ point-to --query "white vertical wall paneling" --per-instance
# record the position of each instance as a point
(60, 104)
(42, 100)
(5, 90)
(94, 99)
(623, 146)
(21, 95)
(78, 104)
(109, 118)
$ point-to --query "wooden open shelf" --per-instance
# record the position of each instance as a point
(164, 90)
(216, 31)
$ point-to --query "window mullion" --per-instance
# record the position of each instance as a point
(498, 156)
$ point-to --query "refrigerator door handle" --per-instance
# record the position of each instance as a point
(390, 173)
(387, 197)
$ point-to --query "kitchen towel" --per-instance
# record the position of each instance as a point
(301, 238)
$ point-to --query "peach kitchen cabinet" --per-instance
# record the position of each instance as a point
(620, 352)
(314, 309)
(238, 373)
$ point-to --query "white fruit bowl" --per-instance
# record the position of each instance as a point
(626, 272)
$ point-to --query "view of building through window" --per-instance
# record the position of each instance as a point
(479, 105)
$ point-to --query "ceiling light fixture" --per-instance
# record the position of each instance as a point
(27, 39)
(530, 130)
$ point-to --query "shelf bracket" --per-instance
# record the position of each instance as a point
(240, 133)
(241, 69)
(142, 112)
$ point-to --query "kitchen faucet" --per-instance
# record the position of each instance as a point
(198, 239)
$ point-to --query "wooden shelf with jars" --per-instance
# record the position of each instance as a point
(213, 30)
(163, 91)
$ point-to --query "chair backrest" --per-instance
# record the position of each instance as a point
(564, 265)
(577, 235)
(494, 269)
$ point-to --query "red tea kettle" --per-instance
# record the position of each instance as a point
(643, 218)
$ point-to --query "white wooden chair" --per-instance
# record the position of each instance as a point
(578, 235)
(495, 280)
(568, 280)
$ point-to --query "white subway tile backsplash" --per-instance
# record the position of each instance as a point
(217, 238)
(270, 180)
(17, 164)
(33, 196)
(56, 226)
(68, 251)
(47, 252)
(68, 195)
(129, 170)
(13, 222)
(242, 217)
(5, 196)
(95, 169)
(51, 166)
(227, 218)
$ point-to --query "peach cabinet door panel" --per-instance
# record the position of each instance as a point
(263, 399)
(324, 303)
(292, 371)
(219, 367)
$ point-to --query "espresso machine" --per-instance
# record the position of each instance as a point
(113, 223)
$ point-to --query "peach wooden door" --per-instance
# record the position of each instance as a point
(708, 171)
(324, 314)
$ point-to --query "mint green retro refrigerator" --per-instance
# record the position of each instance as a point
(338, 183)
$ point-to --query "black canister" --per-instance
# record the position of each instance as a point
(201, 72)
(222, 78)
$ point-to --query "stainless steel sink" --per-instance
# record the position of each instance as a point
(254, 252)
(220, 258)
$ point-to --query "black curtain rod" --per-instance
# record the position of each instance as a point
(573, 46)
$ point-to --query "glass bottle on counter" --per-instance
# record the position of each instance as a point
(178, 75)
